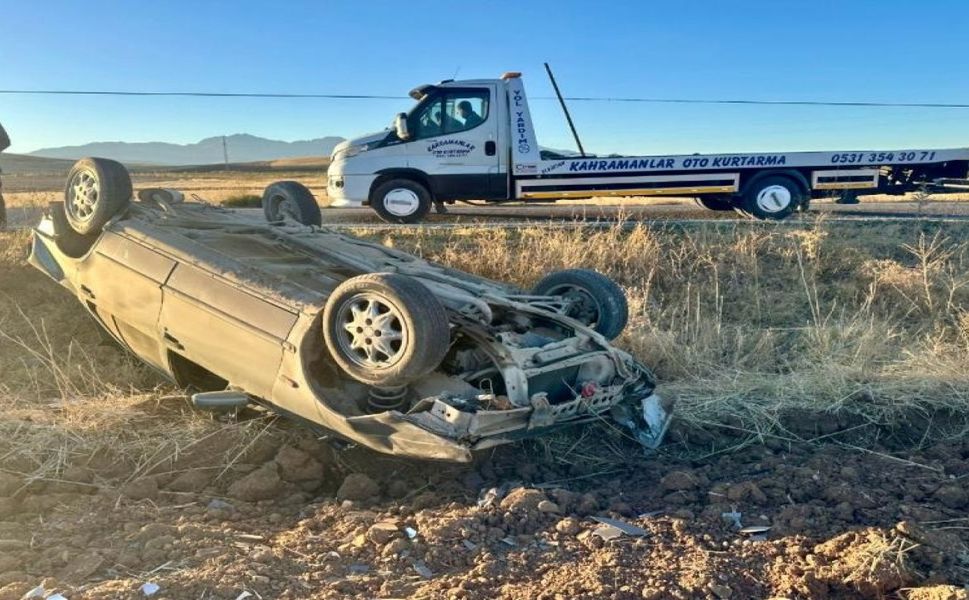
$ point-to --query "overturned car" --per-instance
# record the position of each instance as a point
(370, 344)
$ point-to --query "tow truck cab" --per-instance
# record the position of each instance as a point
(454, 143)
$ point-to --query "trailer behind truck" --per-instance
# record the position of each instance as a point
(474, 140)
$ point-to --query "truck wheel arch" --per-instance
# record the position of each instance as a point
(385, 175)
(794, 174)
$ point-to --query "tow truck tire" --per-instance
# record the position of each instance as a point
(401, 201)
(773, 197)
(385, 329)
(290, 200)
(599, 301)
(97, 189)
(714, 203)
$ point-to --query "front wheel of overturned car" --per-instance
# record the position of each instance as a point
(385, 329)
(596, 300)
(401, 201)
(97, 190)
(291, 200)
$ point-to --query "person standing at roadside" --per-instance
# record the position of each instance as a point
(4, 144)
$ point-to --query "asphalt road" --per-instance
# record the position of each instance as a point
(569, 215)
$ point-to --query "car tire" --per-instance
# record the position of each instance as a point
(385, 329)
(97, 189)
(714, 203)
(68, 241)
(401, 201)
(290, 200)
(773, 197)
(601, 303)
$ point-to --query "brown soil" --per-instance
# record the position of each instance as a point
(843, 525)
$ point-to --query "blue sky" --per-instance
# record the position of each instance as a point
(886, 50)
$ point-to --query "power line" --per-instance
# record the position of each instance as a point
(569, 98)
(198, 94)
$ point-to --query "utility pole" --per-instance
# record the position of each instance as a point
(225, 152)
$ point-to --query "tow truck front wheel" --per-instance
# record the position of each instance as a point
(401, 201)
(772, 198)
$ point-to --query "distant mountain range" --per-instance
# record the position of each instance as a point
(241, 147)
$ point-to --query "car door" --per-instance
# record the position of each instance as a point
(457, 141)
(120, 282)
(221, 326)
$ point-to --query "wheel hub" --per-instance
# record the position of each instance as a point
(582, 305)
(774, 198)
(82, 195)
(370, 331)
(288, 209)
(401, 202)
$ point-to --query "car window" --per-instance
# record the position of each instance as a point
(465, 110)
(428, 123)
(450, 112)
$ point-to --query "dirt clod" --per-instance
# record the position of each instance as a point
(262, 484)
(296, 465)
(678, 481)
(952, 495)
(357, 486)
(144, 488)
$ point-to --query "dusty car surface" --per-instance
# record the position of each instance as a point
(371, 344)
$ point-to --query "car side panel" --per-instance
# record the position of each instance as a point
(121, 282)
(232, 333)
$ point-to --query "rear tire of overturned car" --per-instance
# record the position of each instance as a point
(97, 190)
(291, 200)
(598, 301)
(69, 241)
(401, 201)
(385, 329)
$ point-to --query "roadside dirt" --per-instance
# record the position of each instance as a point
(295, 519)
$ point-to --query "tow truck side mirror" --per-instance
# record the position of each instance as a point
(400, 124)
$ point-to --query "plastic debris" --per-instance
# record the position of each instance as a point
(423, 570)
(734, 518)
(244, 595)
(217, 504)
(509, 540)
(755, 529)
(490, 496)
(37, 592)
(56, 597)
(410, 532)
(607, 532)
(149, 588)
(622, 526)
(469, 544)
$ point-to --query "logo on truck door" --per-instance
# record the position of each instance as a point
(450, 148)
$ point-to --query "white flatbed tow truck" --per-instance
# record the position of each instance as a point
(473, 140)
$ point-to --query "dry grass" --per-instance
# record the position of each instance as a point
(745, 324)
(71, 400)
